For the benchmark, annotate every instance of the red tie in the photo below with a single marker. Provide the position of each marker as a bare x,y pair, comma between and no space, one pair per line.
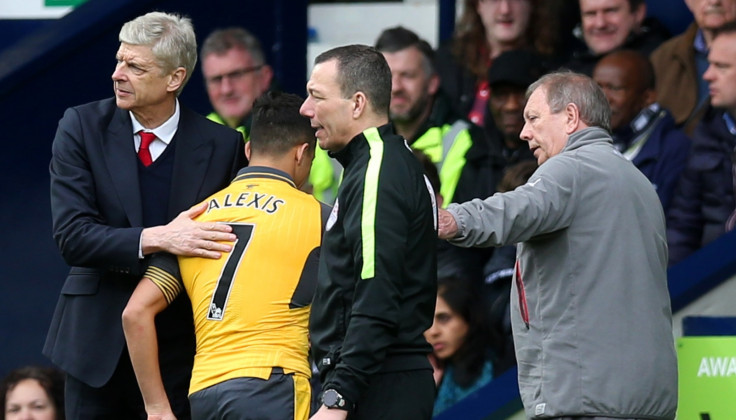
143,153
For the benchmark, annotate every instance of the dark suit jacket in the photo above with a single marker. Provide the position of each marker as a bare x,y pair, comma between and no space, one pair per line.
97,224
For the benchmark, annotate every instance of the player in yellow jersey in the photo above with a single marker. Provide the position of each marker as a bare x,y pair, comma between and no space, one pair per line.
251,306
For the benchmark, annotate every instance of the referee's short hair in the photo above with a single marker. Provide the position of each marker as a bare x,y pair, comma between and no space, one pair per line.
277,125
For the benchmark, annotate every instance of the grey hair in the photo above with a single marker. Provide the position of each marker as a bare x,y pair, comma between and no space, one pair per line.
222,40
171,38
566,87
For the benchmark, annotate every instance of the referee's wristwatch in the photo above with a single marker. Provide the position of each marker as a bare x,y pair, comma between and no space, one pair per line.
333,399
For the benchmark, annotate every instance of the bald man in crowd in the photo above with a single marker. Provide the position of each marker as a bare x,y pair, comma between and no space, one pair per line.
643,130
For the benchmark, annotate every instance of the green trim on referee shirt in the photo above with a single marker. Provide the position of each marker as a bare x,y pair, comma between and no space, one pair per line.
370,200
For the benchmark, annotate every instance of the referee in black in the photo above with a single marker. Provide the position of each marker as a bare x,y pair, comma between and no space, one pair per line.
376,288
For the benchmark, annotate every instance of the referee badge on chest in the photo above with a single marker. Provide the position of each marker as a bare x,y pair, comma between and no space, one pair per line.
333,216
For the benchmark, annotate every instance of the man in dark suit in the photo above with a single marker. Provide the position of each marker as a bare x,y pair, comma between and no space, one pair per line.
112,209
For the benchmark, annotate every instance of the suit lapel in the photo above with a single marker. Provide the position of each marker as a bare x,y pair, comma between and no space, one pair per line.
119,154
191,160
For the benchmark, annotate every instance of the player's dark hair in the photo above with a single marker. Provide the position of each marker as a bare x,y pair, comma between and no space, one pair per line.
278,126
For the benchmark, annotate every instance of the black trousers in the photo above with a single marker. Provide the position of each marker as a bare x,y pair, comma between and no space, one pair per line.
120,398
406,395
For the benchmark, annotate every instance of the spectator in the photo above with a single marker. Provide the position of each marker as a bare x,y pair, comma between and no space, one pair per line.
486,29
704,200
32,392
377,278
112,209
462,356
252,341
681,62
425,119
642,130
608,25
509,76
591,233
459,149
235,73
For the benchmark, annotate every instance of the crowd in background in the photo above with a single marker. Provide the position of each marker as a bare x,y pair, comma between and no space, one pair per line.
672,116
672,112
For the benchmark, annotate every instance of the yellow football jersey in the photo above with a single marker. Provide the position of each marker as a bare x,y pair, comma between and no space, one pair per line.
251,306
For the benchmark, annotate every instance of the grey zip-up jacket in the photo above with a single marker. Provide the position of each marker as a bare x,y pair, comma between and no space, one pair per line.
590,308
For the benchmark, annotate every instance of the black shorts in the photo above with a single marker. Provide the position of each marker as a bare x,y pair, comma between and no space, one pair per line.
282,396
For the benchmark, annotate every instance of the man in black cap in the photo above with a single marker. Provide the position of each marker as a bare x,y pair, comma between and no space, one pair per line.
509,76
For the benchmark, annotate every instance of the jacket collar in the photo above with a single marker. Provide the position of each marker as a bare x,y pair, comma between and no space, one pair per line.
359,144
587,136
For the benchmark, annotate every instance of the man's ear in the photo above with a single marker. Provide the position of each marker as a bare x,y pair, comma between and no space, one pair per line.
360,102
266,77
302,153
176,79
572,114
640,13
434,84
247,150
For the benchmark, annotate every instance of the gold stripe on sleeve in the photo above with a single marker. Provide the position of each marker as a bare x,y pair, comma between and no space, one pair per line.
169,285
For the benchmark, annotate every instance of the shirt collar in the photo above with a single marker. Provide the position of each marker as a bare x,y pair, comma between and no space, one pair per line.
250,172
164,132
699,43
641,121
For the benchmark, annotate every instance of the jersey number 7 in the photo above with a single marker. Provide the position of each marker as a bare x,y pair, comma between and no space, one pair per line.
244,232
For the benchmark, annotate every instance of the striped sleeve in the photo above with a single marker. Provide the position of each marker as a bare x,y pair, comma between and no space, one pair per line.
164,273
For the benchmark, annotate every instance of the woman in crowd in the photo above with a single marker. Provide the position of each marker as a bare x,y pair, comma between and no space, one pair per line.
461,343
32,393
485,29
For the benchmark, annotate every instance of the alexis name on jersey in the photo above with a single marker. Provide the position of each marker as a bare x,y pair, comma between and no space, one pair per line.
264,202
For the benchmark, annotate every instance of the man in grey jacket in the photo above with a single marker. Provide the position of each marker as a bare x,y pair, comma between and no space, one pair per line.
590,308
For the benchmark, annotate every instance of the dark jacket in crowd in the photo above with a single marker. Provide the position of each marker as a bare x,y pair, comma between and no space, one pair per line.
502,155
704,198
457,82
663,154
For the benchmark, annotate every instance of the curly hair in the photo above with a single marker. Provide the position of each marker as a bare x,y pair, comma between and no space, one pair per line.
50,379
